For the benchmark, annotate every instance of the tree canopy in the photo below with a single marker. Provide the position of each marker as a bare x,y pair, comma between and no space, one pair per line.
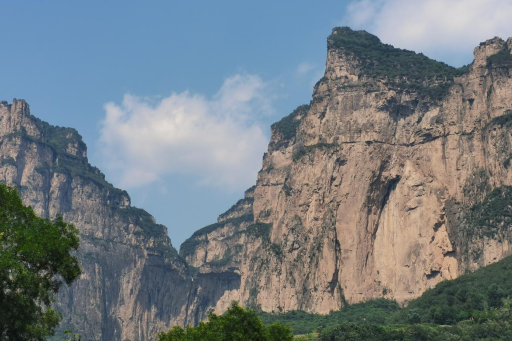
36,258
237,324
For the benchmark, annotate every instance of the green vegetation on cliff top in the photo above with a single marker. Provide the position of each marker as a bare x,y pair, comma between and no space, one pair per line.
59,139
286,128
504,57
189,246
400,68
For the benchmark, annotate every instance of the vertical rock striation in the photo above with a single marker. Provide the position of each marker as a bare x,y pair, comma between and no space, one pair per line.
395,177
214,254
133,282
382,186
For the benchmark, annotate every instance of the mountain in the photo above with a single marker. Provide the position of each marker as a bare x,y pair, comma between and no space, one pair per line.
133,284
394,178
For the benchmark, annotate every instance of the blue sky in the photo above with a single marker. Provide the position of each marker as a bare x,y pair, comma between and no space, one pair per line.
175,99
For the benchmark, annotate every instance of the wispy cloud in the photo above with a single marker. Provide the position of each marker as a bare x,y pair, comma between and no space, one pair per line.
309,72
219,140
305,68
443,29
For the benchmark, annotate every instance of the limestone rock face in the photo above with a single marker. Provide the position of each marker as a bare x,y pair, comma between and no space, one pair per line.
214,253
395,177
369,191
133,282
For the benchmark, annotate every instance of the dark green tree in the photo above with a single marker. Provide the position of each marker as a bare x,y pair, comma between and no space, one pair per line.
413,317
237,324
280,332
474,301
495,296
35,259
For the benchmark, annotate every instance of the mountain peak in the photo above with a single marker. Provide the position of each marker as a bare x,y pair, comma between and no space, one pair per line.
19,106
369,61
492,50
15,119
346,37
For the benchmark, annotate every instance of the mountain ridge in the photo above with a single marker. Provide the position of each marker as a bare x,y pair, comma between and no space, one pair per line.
375,189
391,127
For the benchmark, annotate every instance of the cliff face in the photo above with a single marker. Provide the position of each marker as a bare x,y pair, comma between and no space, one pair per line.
133,283
395,177
214,254
381,187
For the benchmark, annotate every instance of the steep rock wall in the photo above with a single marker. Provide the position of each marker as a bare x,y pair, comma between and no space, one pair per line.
214,254
133,282
391,180
370,191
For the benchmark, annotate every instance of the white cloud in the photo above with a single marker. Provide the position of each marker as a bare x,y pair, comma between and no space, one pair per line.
309,72
447,30
305,68
218,140
317,75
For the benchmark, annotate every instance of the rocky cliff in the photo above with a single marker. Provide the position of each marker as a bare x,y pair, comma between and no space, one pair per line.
133,282
214,254
393,179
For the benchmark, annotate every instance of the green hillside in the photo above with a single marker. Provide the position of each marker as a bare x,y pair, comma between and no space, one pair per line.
476,306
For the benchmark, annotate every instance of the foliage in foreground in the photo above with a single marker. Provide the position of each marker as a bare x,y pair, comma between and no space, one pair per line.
237,324
35,259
